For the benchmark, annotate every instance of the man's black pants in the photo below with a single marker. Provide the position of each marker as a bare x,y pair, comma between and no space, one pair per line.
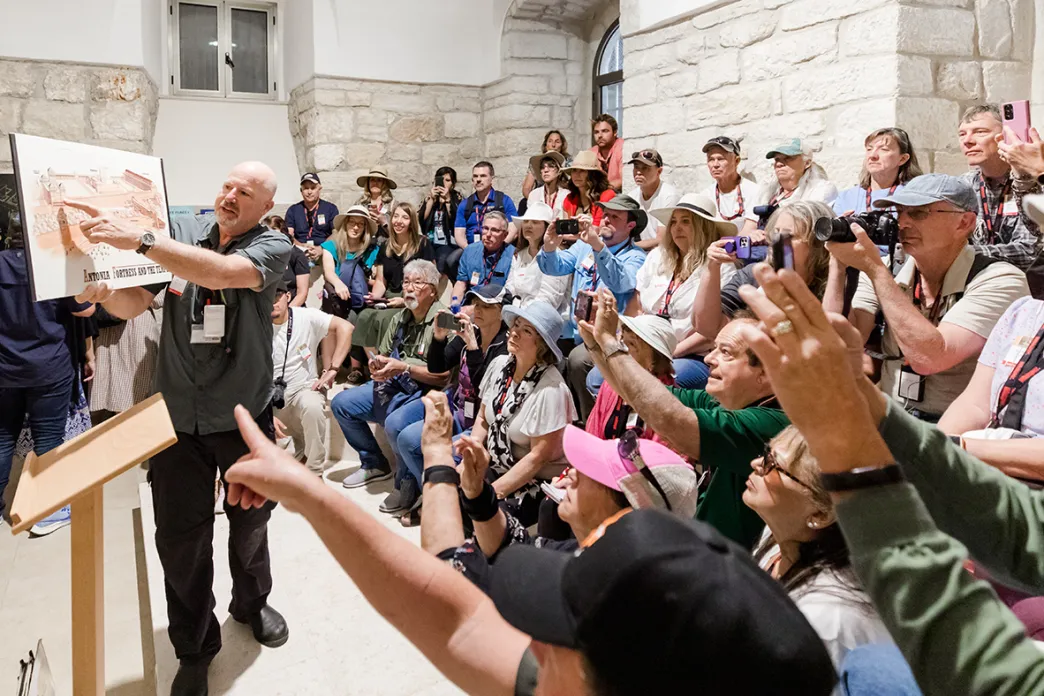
183,499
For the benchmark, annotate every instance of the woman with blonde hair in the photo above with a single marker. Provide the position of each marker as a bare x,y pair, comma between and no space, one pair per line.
404,244
803,547
377,197
716,302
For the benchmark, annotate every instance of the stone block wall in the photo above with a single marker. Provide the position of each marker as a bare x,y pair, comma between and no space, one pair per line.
343,127
830,71
108,106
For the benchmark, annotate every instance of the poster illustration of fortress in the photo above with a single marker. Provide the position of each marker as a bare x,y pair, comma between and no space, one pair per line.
125,186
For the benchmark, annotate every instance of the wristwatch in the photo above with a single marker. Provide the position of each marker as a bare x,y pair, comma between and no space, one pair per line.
617,346
148,240
864,477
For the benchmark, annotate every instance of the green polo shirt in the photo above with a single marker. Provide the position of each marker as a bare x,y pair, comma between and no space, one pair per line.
203,382
729,441
416,336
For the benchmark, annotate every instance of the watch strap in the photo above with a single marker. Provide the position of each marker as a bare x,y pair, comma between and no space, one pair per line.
617,346
866,477
441,474
148,240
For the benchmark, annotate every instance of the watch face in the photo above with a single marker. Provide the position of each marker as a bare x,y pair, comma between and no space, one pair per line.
148,238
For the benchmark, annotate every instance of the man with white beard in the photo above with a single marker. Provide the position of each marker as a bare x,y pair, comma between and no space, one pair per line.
399,378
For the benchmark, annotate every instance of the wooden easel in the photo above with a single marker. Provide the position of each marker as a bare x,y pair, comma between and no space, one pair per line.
73,474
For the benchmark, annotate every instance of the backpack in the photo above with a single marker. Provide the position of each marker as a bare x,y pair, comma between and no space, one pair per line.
469,205
353,274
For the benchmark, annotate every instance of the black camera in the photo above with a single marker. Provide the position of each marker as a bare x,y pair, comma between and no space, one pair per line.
279,393
764,212
880,225
568,226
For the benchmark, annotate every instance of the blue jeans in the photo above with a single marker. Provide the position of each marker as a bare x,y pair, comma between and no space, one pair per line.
873,669
47,408
409,444
353,409
689,373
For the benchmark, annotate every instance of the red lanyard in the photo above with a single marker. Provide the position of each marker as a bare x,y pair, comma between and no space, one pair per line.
890,192
933,313
777,198
665,310
993,221
594,272
503,394
493,266
1025,370
554,199
739,202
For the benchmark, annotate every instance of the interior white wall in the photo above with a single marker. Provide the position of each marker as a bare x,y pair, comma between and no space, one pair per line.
652,12
201,140
83,31
448,41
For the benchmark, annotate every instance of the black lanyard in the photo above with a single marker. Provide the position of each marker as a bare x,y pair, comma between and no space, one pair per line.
617,423
993,221
289,332
890,192
1013,394
739,202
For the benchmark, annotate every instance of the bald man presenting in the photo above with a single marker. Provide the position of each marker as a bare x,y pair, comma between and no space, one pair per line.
215,352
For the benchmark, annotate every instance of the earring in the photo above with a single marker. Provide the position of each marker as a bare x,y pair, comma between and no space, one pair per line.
812,524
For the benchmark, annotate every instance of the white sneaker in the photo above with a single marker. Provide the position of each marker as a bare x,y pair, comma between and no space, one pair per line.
52,523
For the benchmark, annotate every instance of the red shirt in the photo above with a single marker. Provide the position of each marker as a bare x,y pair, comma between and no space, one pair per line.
572,204
613,164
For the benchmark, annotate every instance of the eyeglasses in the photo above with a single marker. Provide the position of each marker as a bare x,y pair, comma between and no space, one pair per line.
415,283
627,448
487,228
768,463
919,214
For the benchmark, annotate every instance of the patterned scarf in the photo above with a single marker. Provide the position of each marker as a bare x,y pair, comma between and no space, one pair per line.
506,404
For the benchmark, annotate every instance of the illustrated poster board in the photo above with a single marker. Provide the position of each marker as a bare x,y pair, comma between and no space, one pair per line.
126,185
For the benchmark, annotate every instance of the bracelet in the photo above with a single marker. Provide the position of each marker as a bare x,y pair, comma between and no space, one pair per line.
484,507
440,474
864,477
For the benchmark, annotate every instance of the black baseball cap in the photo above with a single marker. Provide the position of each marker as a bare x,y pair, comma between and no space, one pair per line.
281,287
661,605
491,294
312,177
725,143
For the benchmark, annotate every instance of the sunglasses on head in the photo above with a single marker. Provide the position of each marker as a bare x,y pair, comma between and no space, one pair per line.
628,450
646,155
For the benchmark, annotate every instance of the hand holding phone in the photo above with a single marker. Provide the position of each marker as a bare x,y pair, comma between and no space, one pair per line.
1016,116
782,252
584,307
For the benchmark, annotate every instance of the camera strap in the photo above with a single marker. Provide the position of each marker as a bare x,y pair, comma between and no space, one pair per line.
1012,396
289,332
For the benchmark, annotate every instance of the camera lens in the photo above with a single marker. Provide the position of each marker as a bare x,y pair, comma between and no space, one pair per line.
1009,113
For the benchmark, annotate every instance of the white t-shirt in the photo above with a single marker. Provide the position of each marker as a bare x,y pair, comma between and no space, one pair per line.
728,203
529,284
811,190
652,283
547,409
537,196
665,197
310,327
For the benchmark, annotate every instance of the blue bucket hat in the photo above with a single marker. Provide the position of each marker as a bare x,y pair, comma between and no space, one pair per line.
932,188
544,318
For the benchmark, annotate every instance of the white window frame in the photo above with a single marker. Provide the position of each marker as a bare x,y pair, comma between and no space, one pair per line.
224,13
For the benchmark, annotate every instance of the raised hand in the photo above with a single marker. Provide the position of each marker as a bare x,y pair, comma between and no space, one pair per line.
474,462
437,435
552,240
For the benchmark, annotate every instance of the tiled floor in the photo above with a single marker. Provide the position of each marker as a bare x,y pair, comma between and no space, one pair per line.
338,644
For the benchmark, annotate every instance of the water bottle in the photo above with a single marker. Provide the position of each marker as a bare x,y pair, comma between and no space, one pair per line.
455,305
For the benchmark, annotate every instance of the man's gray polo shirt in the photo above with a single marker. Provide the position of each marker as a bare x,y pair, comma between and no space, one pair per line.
203,382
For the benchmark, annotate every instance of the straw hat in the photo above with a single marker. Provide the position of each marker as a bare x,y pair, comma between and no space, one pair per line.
356,211
376,174
586,160
701,206
536,160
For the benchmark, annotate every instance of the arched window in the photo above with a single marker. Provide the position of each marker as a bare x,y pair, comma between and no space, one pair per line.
608,76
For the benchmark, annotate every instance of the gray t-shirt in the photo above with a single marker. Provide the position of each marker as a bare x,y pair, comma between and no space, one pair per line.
203,382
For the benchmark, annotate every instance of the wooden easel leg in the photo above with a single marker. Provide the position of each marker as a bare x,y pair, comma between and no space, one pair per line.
88,594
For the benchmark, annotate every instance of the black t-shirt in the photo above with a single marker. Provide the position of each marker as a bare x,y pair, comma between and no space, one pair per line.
393,264
297,265
731,302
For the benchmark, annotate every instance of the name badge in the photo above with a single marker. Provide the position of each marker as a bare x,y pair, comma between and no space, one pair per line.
304,351
909,385
321,220
588,263
214,322
1015,353
177,285
632,420
1010,208
199,337
469,409
475,278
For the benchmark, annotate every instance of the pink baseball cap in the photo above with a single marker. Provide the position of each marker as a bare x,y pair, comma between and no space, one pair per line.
600,460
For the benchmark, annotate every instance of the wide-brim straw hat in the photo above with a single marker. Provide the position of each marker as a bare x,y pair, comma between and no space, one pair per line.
541,212
537,160
586,160
544,318
356,211
376,174
701,206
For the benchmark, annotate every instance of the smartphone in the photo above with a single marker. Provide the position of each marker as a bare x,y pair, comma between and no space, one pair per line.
782,252
584,307
738,245
568,226
1016,116
445,320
